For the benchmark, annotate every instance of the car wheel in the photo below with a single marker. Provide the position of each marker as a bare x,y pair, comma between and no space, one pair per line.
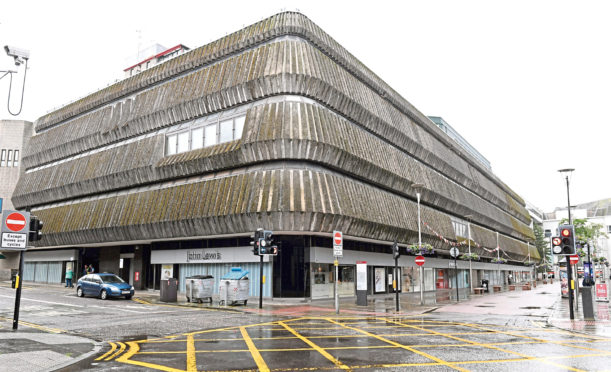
128,297
79,292
103,294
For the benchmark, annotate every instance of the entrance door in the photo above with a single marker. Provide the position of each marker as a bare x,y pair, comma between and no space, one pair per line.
125,269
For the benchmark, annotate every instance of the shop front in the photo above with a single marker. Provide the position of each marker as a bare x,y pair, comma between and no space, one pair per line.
48,266
183,263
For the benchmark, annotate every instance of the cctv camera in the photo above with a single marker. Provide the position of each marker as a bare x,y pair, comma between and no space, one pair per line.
18,54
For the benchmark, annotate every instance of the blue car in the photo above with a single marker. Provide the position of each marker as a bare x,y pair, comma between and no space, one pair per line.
103,285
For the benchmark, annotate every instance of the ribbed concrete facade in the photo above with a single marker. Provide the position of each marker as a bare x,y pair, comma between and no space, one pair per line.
326,145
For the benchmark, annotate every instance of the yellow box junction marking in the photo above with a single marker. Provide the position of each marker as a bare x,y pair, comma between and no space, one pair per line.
254,351
307,323
316,347
443,362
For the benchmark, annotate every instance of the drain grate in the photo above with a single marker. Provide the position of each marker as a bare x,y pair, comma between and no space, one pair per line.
530,307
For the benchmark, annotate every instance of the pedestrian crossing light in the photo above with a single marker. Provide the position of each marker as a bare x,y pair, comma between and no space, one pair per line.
395,250
255,241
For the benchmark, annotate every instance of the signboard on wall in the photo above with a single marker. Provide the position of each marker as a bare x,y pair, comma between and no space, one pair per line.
167,272
361,275
380,279
205,255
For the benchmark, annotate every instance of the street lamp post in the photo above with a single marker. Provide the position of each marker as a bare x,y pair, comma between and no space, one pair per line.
566,172
417,187
468,217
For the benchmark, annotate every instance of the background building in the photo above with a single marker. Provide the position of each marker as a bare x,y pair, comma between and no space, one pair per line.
275,126
154,55
14,137
598,212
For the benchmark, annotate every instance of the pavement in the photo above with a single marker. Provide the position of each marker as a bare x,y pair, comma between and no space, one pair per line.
37,348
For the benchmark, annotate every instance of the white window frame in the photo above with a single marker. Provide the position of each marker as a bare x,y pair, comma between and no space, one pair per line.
16,159
3,158
203,124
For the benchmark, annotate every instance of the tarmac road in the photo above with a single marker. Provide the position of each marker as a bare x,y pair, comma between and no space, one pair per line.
502,331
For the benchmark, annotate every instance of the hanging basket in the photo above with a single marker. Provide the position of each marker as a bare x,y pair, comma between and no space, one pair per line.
498,260
424,249
469,257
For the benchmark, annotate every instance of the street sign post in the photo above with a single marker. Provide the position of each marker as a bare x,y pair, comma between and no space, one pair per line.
454,252
338,243
574,259
15,230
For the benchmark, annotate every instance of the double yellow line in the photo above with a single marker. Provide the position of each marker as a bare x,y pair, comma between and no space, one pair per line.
111,354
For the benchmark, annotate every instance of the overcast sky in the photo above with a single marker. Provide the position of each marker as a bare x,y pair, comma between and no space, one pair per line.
527,83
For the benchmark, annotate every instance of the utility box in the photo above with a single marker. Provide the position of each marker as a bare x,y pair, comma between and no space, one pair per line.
199,288
168,290
587,300
234,287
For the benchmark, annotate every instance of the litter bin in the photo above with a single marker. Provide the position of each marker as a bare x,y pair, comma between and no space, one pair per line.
485,284
234,287
168,290
199,288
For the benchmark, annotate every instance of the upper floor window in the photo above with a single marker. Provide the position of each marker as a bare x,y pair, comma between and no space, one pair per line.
460,229
16,159
209,134
3,158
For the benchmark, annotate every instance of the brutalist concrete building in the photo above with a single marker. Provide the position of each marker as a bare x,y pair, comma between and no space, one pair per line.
276,126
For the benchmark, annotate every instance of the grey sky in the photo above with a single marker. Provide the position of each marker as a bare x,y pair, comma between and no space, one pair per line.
518,79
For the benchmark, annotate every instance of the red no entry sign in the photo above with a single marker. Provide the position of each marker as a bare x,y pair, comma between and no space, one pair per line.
574,259
15,222
337,238
419,260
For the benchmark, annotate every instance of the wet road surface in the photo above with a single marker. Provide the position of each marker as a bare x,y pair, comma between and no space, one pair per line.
365,343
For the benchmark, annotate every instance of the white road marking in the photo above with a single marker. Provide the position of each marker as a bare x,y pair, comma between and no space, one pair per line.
46,302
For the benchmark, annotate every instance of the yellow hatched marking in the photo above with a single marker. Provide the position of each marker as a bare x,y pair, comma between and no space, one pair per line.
316,347
399,345
113,347
121,349
254,351
191,359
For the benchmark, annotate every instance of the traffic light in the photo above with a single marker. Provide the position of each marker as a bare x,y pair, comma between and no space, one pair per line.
269,240
273,250
256,241
567,237
265,242
395,250
35,227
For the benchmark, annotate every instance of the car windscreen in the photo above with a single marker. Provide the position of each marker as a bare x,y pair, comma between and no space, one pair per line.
111,279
